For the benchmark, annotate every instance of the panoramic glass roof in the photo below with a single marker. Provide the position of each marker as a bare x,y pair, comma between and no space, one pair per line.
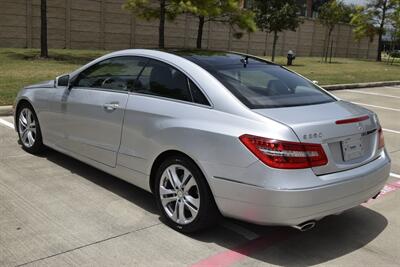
217,58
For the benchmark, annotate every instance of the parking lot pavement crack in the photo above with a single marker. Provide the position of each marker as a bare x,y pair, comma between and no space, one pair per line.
90,244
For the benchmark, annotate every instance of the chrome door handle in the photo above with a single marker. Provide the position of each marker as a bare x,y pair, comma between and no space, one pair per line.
111,106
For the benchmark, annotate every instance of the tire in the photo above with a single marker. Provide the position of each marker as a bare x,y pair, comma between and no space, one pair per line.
184,195
28,128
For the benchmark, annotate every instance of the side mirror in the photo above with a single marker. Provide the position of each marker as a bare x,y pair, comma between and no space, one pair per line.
315,82
62,81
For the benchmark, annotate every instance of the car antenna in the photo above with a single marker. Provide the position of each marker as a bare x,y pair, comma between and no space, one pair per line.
245,61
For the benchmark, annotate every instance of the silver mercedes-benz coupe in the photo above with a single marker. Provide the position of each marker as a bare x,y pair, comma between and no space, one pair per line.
211,133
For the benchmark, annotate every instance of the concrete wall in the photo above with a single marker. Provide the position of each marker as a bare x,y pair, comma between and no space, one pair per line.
103,24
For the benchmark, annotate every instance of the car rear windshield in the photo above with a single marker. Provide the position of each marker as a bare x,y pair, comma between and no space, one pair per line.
260,85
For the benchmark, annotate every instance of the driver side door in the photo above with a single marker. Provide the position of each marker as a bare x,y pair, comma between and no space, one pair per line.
94,108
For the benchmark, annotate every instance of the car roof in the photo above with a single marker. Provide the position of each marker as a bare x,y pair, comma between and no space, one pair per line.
215,58
207,59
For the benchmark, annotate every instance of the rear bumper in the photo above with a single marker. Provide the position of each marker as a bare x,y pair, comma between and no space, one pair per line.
340,191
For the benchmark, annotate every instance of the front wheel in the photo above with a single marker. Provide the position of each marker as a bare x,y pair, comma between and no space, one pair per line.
28,129
183,195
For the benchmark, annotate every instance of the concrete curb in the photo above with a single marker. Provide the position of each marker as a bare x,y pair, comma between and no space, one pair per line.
359,85
6,110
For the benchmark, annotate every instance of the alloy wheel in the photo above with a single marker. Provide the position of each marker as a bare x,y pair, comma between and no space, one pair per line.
179,194
27,127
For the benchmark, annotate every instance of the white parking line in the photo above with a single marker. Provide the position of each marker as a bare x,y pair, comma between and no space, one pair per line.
371,93
249,235
391,131
6,123
392,87
368,105
395,175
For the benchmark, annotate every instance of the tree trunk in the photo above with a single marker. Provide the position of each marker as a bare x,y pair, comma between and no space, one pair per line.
379,55
327,45
266,42
323,50
200,32
331,52
43,29
326,49
274,45
381,29
161,28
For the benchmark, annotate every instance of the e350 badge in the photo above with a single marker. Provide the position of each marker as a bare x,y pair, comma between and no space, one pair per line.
312,136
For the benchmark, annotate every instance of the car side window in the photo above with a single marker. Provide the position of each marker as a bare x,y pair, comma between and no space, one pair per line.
118,73
198,96
161,79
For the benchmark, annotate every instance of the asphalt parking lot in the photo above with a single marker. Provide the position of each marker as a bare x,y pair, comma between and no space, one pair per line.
56,211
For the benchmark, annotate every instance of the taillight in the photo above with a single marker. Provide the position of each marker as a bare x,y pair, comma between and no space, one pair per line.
285,154
381,139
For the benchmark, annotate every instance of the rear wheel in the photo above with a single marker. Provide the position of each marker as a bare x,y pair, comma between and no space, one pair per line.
183,196
28,128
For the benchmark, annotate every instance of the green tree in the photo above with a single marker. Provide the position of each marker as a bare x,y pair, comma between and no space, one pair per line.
275,16
364,24
330,14
365,29
226,11
374,17
348,11
395,23
151,10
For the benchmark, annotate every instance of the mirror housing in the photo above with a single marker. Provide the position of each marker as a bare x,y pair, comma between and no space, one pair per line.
63,81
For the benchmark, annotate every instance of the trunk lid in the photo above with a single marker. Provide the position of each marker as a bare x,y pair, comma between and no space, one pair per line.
347,145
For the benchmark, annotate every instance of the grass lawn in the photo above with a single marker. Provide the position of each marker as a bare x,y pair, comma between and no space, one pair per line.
20,67
344,70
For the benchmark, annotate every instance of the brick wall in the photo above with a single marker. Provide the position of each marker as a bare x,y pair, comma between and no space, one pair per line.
103,24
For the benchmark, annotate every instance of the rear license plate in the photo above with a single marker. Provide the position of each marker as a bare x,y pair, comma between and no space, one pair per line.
352,148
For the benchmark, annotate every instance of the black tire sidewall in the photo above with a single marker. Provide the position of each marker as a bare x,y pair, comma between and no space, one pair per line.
38,145
207,214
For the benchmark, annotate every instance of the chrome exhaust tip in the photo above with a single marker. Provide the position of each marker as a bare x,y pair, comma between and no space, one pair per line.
305,226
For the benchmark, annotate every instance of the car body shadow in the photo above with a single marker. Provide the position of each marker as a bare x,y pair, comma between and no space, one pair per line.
119,187
333,237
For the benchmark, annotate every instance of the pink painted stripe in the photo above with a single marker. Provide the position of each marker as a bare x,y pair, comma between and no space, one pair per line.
229,257
388,188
